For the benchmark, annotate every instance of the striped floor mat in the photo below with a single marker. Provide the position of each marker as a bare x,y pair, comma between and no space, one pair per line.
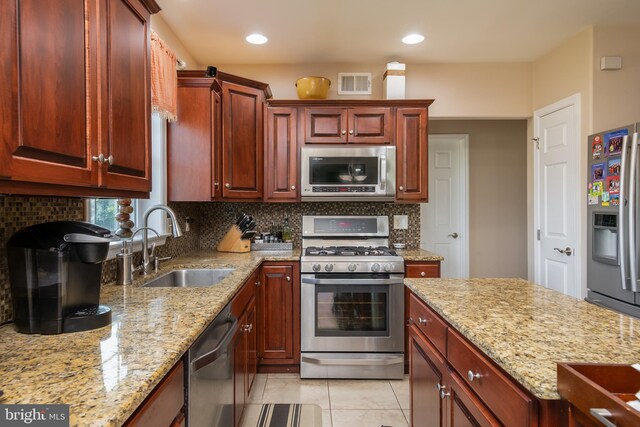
282,415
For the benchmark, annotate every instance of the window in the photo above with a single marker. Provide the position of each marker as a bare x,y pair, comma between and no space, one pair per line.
103,212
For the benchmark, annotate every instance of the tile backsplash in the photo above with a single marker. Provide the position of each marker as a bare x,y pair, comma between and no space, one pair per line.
217,218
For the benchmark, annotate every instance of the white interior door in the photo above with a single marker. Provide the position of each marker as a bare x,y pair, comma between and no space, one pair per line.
444,220
557,201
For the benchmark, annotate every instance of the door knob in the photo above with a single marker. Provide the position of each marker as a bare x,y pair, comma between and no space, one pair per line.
567,251
454,235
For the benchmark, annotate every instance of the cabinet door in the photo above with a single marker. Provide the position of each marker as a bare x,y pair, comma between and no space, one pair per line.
189,146
48,106
325,125
426,371
281,155
465,409
411,155
242,149
126,92
370,125
239,371
276,312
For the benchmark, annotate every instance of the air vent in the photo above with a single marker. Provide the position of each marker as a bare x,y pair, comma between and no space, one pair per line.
354,83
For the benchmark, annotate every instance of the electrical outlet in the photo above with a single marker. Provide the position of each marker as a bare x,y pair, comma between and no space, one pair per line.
400,222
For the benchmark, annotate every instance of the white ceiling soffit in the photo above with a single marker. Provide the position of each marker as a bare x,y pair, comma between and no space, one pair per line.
369,31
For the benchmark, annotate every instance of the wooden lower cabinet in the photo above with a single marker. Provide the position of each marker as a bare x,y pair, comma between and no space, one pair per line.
443,395
279,317
165,405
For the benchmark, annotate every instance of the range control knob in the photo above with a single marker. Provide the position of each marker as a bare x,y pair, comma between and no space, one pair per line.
316,267
328,267
375,267
352,267
388,267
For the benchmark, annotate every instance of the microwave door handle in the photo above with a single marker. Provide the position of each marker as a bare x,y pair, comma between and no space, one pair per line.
633,261
622,234
383,172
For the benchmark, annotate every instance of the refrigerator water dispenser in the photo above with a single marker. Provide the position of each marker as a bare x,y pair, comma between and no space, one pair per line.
605,238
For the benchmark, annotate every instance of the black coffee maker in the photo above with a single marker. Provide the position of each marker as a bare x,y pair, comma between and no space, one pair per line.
55,272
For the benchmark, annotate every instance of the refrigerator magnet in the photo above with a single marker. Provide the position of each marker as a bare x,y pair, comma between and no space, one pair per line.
593,199
597,147
615,200
613,141
597,188
605,196
598,172
614,167
613,184
605,204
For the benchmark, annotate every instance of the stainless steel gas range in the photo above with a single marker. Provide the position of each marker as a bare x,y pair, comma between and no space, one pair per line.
352,299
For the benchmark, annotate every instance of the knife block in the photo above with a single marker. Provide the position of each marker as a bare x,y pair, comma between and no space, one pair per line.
232,242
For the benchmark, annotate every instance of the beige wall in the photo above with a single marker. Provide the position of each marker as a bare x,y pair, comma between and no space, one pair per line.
497,194
565,71
616,94
168,36
474,90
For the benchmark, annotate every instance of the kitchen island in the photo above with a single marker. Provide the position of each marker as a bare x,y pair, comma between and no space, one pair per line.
524,330
106,373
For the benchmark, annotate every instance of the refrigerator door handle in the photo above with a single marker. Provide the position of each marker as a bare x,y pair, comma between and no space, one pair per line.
631,244
622,235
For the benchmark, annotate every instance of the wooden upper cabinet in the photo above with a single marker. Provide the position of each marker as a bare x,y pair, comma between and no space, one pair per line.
48,103
127,145
76,97
361,125
242,145
281,155
412,155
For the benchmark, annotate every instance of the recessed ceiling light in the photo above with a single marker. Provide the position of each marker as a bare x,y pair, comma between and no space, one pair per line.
413,39
257,38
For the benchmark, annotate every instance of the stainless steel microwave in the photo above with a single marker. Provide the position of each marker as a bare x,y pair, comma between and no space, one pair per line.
331,173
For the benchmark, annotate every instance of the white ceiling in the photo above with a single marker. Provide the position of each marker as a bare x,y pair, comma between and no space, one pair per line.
369,31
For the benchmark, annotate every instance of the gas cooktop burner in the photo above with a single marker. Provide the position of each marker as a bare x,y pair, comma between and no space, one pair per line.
349,251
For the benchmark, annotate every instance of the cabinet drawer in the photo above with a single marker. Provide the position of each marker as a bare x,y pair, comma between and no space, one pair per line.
465,405
422,270
165,402
428,322
510,404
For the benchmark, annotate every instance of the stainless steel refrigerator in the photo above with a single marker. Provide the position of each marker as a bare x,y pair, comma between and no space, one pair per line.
614,219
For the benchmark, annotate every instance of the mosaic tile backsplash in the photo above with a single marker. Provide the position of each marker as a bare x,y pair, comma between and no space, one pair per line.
20,212
217,218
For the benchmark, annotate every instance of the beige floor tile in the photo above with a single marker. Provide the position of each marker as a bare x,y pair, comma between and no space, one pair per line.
362,394
401,390
257,390
283,375
368,418
295,390
326,418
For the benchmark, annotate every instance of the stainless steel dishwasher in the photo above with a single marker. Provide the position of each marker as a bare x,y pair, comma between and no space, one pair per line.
210,374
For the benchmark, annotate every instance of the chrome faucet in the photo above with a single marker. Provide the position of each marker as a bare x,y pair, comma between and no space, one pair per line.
175,232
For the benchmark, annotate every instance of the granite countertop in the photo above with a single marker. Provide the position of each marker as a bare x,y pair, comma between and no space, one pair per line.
526,329
105,374
419,255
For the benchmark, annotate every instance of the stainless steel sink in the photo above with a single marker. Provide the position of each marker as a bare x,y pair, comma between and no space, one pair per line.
190,278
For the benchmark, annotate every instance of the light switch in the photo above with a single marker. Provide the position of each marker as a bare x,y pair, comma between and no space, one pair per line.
400,222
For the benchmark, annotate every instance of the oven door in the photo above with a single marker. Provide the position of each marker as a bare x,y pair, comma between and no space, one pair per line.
348,173
352,313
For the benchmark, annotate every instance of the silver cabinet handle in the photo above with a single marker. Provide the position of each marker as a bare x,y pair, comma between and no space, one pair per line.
567,251
423,274
288,278
454,235
109,160
293,187
472,376
99,158
422,321
622,235
440,387
401,188
444,394
216,184
601,415
227,185
351,132
344,132
258,283
247,328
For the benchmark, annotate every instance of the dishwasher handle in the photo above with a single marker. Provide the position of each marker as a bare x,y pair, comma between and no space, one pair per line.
213,355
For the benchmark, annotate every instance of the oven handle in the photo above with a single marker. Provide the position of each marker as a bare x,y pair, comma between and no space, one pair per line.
314,281
386,361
